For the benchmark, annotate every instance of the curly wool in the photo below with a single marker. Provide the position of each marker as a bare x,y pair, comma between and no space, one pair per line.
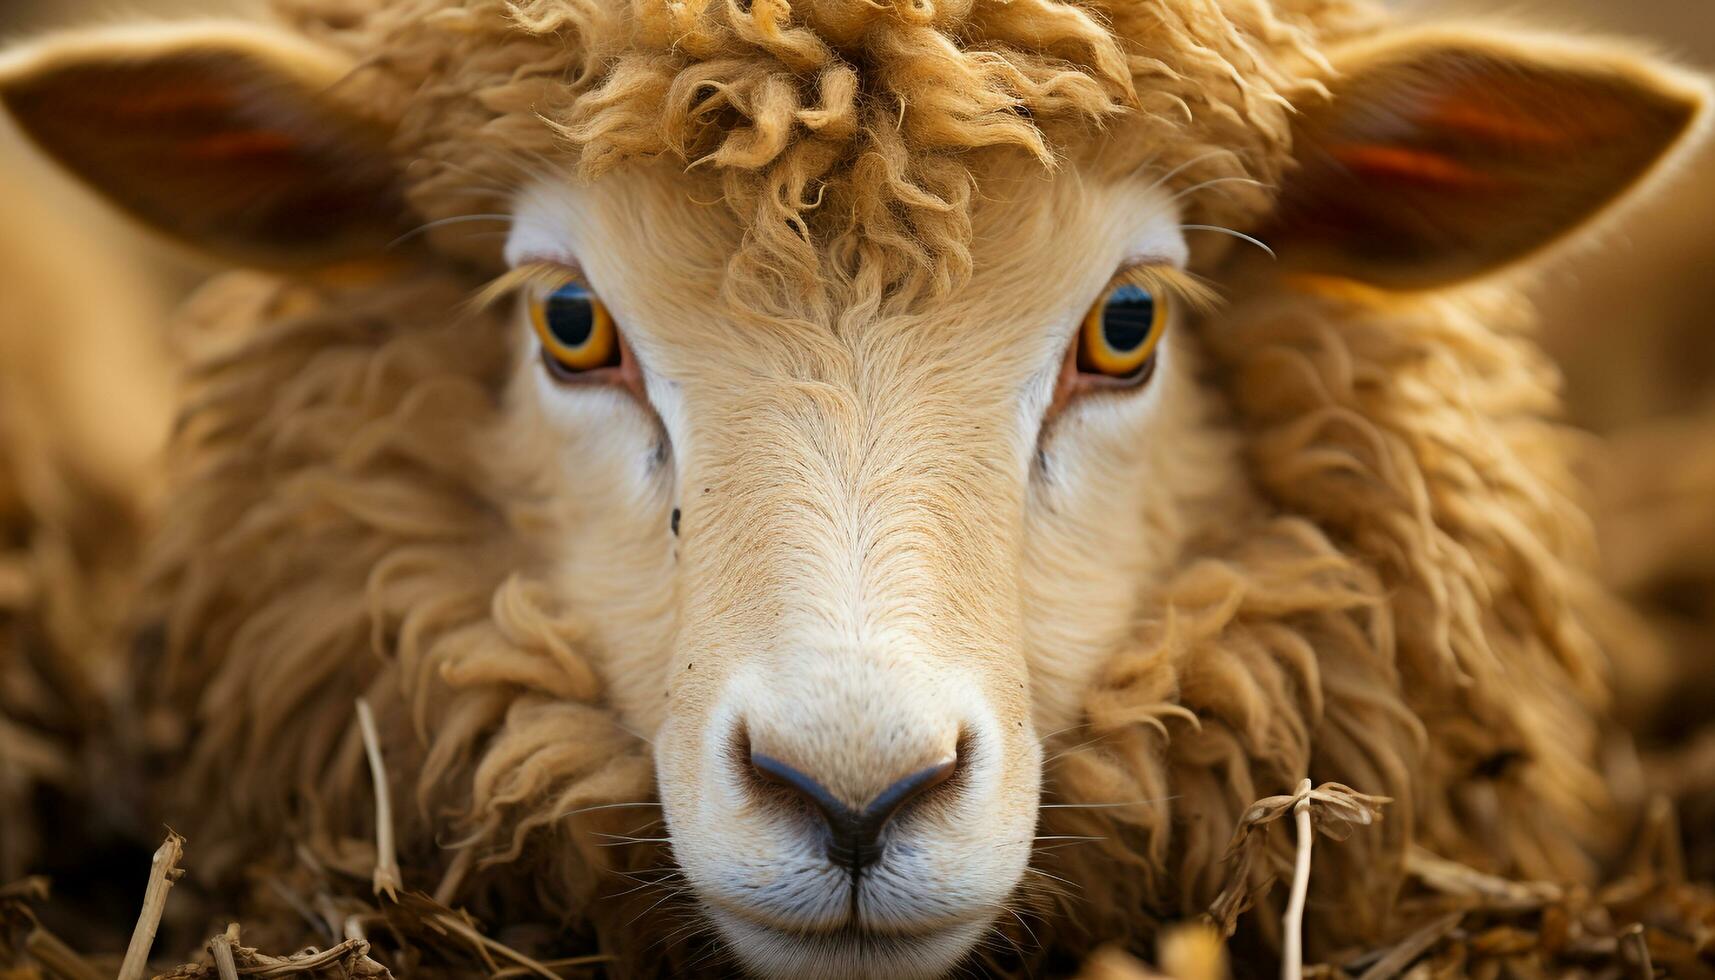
362,532
1418,623
841,133
1395,615
1400,612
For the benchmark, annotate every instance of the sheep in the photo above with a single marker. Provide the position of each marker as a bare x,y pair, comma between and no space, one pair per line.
859,441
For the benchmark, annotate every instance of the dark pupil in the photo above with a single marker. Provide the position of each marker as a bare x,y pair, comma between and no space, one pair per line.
570,316
1127,318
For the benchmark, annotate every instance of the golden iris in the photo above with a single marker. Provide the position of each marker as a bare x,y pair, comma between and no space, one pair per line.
575,328
1121,332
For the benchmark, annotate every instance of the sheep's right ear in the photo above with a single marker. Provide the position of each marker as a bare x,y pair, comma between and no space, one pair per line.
228,137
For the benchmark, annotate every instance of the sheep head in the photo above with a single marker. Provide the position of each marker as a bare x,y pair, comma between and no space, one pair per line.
864,439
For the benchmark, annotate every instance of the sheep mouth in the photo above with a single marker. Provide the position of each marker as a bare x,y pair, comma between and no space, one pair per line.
849,950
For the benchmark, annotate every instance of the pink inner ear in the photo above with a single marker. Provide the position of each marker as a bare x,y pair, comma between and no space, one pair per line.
219,147
1399,163
1480,123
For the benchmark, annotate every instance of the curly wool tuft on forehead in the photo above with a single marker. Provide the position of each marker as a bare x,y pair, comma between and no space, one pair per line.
847,136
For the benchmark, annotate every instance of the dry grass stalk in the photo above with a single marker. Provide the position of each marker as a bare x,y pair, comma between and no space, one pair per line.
1332,809
454,878
348,960
387,877
220,947
553,966
163,871
350,957
1485,890
1396,960
1639,957
1659,848
59,959
1486,925
39,945
31,889
1292,925
457,925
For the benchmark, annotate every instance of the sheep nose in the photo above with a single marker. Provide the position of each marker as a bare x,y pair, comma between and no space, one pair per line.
854,835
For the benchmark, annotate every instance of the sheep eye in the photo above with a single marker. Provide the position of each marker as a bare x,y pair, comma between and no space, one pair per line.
576,331
1120,333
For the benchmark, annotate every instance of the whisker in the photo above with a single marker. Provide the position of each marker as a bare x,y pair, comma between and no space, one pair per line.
1102,806
1072,837
1241,236
664,871
1062,731
1194,188
1050,849
1187,165
635,832
1025,925
645,886
666,882
1055,877
478,179
667,877
657,904
603,806
692,927
715,949
646,740
989,945
1063,753
443,222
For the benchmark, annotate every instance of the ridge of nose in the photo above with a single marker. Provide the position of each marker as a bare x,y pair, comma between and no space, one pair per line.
854,835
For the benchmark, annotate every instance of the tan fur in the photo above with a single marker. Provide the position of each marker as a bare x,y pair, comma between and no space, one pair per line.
768,105
1345,548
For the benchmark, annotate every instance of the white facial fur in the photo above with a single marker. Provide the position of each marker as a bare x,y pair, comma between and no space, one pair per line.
886,560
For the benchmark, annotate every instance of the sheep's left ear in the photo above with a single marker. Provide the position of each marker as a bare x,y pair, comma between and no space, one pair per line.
234,138
1440,156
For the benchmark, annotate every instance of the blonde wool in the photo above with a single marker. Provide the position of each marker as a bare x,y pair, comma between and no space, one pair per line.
1416,625
844,135
1386,618
1397,613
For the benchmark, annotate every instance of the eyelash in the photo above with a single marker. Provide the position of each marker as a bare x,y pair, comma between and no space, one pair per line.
518,282
1187,290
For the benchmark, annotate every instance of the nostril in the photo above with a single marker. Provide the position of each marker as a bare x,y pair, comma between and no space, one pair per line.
802,785
854,836
895,797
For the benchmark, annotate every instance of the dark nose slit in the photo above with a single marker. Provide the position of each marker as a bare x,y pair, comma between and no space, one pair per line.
854,836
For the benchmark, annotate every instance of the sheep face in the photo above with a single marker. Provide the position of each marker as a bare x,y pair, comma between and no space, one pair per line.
847,566
855,487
